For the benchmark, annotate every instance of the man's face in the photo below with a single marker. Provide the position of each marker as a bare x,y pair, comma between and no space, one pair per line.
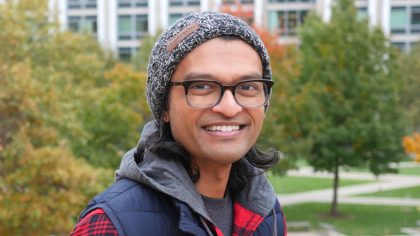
224,133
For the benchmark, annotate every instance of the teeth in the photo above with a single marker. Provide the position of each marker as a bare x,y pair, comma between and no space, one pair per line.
223,128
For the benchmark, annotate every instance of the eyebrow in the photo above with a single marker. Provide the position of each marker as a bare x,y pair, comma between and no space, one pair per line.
207,76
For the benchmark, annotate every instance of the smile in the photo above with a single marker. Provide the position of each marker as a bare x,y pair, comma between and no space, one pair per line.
223,128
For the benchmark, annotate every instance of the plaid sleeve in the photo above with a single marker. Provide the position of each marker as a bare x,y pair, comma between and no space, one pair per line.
96,223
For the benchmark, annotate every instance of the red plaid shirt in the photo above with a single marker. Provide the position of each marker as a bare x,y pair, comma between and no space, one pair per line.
96,223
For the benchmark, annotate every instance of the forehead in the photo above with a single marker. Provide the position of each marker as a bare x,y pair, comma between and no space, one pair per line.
222,58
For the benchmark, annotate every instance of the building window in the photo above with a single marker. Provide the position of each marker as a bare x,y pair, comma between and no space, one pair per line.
90,3
229,1
175,2
74,23
193,2
141,3
362,13
91,24
124,27
124,3
86,24
184,2
288,1
415,20
125,54
79,4
414,45
174,17
286,23
74,4
399,20
400,45
131,27
141,26
132,3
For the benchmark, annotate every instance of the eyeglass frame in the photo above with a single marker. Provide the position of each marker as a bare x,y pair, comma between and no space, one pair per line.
186,83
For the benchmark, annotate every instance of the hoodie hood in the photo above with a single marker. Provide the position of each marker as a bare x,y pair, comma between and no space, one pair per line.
168,175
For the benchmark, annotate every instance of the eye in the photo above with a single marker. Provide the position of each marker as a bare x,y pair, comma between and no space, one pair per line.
247,87
250,89
250,86
202,88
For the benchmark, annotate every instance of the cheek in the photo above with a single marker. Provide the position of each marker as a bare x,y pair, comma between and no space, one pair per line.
258,117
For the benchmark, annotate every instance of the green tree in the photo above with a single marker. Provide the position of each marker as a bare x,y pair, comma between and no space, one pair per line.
410,71
114,118
343,109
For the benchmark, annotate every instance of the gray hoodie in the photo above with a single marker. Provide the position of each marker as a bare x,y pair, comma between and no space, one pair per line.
168,175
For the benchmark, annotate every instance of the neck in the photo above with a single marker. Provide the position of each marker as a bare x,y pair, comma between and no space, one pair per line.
213,179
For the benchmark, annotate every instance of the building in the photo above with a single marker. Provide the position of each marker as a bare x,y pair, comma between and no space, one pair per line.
120,25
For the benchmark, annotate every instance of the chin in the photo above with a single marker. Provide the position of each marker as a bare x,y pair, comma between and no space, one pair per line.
227,158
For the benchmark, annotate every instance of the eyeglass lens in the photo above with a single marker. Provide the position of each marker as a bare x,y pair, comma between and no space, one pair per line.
204,94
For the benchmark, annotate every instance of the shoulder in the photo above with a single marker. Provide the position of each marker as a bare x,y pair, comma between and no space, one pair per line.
128,195
132,207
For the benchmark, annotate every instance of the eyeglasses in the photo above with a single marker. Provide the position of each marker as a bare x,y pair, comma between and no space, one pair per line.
208,93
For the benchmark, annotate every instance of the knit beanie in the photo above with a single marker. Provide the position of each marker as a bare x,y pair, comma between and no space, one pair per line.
185,35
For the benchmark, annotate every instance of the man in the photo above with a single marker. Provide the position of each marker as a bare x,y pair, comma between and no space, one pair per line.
196,170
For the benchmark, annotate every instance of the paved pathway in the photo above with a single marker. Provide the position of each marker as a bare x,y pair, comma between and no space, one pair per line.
347,194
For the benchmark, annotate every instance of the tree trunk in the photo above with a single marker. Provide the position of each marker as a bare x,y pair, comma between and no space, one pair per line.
334,207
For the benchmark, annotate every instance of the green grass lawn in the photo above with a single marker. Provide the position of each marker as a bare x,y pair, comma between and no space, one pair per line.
410,171
292,184
357,219
413,192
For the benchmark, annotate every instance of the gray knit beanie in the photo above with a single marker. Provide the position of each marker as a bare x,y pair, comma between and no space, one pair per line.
185,35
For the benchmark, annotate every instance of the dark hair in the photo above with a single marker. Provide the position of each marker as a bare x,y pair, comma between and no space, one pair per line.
162,143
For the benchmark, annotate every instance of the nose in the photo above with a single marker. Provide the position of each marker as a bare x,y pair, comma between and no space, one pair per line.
227,105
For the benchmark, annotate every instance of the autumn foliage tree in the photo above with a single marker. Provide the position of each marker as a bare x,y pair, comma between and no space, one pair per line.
64,105
412,146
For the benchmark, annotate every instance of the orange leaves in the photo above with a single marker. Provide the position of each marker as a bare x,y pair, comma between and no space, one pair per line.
270,40
412,145
43,189
245,13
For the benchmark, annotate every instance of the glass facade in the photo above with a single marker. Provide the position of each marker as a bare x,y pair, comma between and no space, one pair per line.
85,24
132,3
126,53
399,19
283,17
184,2
415,20
124,27
228,1
362,13
141,26
286,23
290,1
132,27
405,20
81,4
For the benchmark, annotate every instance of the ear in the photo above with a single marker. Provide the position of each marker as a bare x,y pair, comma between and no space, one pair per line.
165,116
